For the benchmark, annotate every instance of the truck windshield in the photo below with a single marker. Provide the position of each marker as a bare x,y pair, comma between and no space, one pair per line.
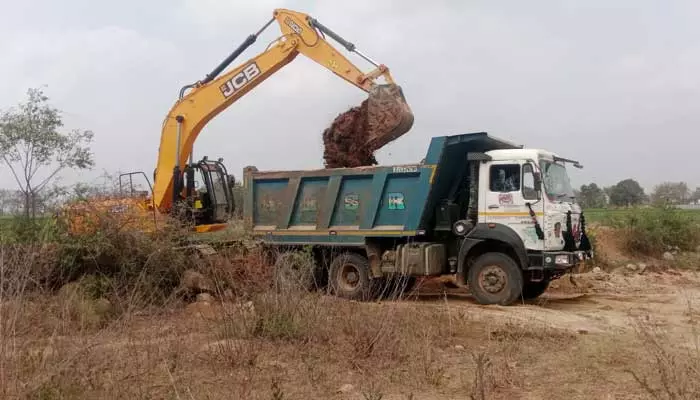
556,180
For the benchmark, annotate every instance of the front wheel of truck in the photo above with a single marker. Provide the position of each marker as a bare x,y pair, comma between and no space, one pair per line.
349,277
495,278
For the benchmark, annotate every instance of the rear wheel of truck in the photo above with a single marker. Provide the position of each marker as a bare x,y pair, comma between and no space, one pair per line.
295,270
532,290
495,278
349,277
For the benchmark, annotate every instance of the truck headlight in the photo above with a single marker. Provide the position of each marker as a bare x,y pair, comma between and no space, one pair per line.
561,259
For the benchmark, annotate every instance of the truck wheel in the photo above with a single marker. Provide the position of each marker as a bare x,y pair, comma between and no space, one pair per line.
349,277
532,290
294,270
495,278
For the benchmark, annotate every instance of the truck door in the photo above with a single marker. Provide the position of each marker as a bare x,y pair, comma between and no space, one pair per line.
511,187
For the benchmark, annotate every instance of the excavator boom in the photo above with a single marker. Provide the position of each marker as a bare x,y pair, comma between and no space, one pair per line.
389,115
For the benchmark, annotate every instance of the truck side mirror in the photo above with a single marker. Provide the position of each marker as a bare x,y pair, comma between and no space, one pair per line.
538,184
538,181
231,181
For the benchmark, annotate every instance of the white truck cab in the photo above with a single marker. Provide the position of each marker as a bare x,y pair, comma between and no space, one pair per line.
522,214
521,186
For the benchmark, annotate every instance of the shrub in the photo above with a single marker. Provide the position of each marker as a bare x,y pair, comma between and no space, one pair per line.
131,269
652,231
24,230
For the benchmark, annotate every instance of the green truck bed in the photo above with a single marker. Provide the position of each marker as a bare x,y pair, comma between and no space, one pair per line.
347,205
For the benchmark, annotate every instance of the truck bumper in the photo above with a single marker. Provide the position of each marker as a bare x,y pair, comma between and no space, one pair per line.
557,260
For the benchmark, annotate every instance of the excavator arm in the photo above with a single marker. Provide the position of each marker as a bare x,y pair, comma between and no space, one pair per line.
208,97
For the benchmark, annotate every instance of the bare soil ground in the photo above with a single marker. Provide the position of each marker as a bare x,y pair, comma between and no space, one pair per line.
598,336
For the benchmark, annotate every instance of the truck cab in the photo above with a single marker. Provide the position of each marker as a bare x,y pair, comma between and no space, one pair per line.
529,192
525,201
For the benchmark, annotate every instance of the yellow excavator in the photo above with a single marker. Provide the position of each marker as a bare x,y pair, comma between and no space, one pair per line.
201,192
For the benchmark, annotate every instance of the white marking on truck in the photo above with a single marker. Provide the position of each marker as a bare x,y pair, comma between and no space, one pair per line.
405,170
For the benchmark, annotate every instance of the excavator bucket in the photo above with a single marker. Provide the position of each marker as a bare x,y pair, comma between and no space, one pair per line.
388,115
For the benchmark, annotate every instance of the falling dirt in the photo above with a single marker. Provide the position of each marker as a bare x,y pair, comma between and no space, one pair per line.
345,140
356,134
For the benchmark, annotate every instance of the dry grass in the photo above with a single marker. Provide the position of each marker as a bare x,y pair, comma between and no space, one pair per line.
268,344
292,345
121,331
672,370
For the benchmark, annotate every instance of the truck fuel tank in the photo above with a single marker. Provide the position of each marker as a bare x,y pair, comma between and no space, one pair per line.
415,259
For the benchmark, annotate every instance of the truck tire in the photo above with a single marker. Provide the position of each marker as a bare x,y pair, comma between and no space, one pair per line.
294,270
495,278
349,277
532,290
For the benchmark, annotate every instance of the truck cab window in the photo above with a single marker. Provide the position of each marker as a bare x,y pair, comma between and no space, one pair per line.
505,178
529,190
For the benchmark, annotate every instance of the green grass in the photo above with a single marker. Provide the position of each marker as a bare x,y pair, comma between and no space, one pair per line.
607,216
652,230
16,228
5,224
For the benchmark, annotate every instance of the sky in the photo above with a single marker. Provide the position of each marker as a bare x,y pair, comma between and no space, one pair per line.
614,85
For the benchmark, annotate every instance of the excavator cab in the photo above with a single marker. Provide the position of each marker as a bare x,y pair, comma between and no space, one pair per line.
206,193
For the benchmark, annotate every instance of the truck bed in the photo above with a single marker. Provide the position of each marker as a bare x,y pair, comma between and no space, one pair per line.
348,205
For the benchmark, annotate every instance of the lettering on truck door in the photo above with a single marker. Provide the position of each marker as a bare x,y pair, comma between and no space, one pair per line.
511,185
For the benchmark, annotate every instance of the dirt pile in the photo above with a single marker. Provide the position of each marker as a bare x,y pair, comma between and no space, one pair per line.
345,140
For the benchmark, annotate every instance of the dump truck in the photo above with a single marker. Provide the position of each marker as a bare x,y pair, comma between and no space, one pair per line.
498,218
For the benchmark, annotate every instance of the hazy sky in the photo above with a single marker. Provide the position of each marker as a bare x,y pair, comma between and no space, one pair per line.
615,84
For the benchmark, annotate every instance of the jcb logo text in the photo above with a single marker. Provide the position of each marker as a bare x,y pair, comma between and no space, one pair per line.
295,27
240,79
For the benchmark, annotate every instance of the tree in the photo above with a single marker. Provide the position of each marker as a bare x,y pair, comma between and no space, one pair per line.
695,196
10,202
592,196
671,193
35,151
627,193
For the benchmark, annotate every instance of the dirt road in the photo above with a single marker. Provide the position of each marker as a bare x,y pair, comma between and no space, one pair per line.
603,303
586,338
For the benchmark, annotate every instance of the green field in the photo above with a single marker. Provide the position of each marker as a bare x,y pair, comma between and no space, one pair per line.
606,215
13,228
5,222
